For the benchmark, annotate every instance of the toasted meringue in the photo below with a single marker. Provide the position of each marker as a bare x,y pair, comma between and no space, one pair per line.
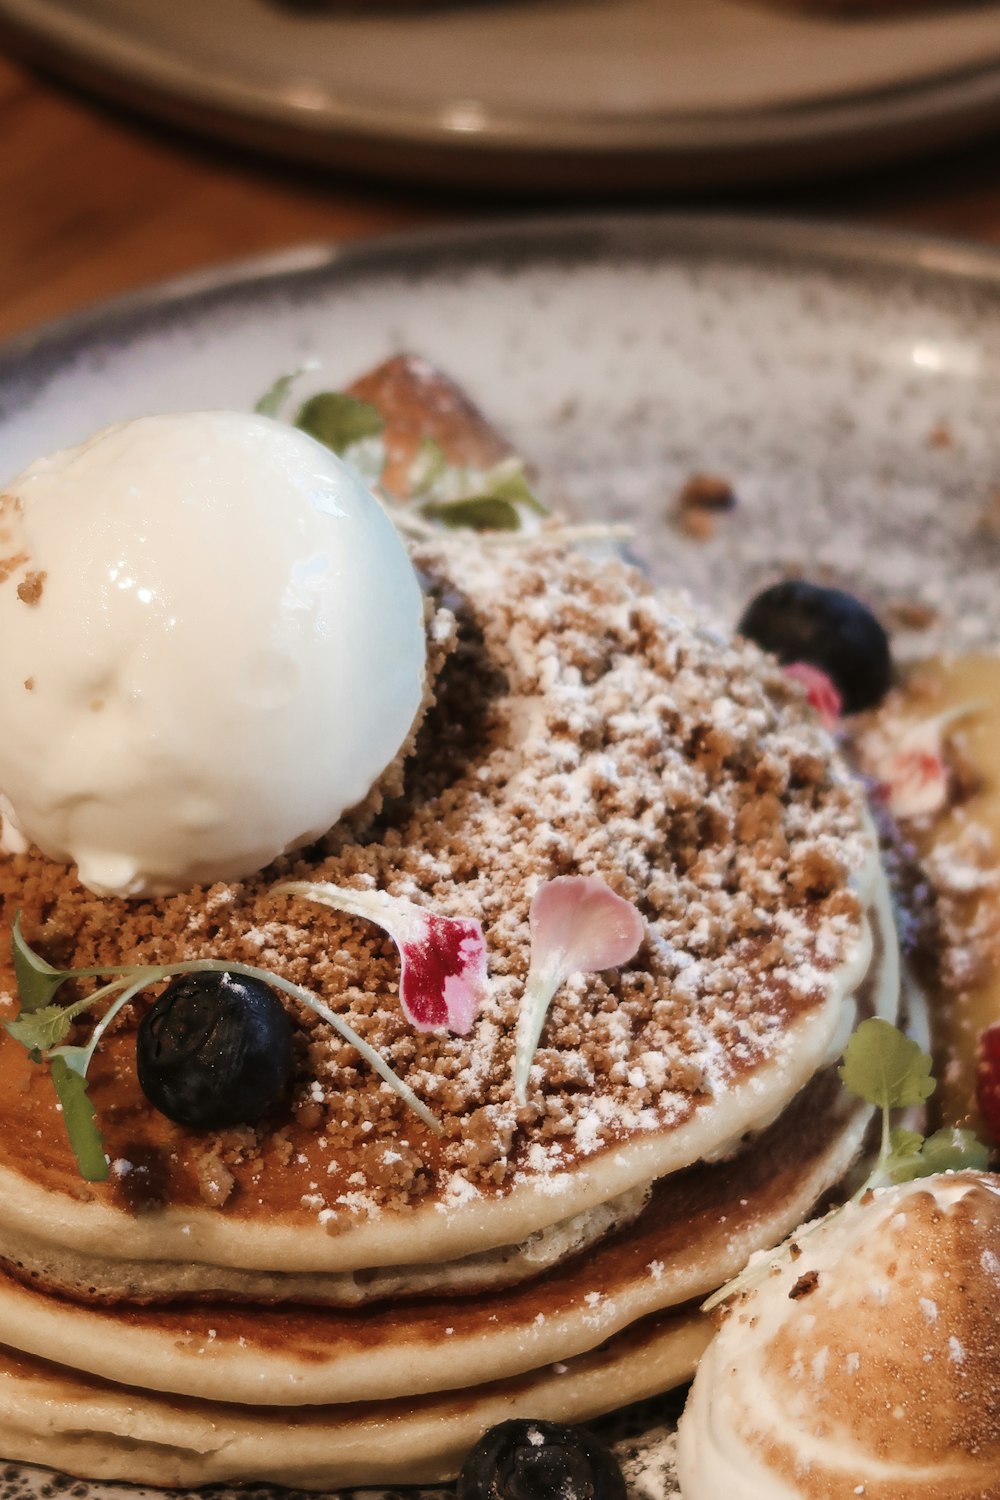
867,1363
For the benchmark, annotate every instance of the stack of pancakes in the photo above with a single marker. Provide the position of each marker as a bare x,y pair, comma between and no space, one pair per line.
339,1296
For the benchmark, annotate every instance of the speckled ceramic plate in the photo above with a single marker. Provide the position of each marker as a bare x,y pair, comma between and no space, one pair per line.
844,382
560,95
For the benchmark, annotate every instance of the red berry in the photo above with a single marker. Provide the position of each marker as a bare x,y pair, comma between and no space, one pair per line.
988,1081
820,690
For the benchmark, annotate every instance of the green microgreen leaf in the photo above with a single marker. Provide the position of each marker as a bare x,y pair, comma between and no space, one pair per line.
39,1030
509,481
339,421
43,1027
479,499
474,513
886,1068
273,399
77,1059
78,1117
37,981
953,1150
902,1162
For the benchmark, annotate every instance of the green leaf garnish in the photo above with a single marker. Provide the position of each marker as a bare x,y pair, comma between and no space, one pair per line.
350,428
493,499
476,513
902,1163
886,1068
339,421
950,1150
39,1030
509,481
81,1125
37,981
480,499
42,1028
274,398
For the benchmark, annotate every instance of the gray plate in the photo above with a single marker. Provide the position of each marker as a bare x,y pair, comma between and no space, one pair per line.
845,382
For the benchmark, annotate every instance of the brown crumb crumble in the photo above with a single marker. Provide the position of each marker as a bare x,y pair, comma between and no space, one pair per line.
702,500
806,1283
707,492
580,724
29,590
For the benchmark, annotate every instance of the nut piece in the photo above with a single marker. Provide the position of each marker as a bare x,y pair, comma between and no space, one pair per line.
702,499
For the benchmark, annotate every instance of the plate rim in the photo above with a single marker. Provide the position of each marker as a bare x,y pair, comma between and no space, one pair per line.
90,40
699,149
812,241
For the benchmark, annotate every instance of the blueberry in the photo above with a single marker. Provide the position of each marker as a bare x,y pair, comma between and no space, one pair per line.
522,1460
215,1050
829,629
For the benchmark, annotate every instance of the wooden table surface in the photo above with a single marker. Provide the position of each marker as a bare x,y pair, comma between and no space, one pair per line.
95,201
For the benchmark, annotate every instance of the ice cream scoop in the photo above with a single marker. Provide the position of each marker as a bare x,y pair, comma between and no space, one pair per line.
212,646
867,1364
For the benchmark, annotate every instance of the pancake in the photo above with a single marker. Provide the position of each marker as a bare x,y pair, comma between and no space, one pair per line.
698,1230
83,1426
817,1136
64,1270
582,724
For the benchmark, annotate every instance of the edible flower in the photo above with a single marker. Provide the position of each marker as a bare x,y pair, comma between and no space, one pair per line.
578,926
819,689
442,978
912,772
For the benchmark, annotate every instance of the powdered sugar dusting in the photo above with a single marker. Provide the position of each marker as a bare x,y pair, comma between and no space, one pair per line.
583,725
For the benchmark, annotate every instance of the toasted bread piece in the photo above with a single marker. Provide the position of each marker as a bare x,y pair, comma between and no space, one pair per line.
418,401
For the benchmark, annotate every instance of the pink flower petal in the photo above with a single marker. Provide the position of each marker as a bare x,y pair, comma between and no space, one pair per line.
911,764
578,926
916,783
442,978
581,918
820,690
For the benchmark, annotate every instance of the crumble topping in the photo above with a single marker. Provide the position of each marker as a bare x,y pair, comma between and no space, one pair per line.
580,724
29,590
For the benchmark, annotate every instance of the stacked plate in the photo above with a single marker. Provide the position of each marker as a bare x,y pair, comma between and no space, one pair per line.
553,95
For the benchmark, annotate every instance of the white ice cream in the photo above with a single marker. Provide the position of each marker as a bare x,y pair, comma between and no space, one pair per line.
212,645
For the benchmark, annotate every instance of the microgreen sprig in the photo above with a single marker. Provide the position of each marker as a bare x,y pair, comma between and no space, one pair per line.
491,499
42,1026
889,1070
452,495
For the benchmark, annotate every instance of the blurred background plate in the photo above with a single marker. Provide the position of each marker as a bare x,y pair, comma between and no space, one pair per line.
569,95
